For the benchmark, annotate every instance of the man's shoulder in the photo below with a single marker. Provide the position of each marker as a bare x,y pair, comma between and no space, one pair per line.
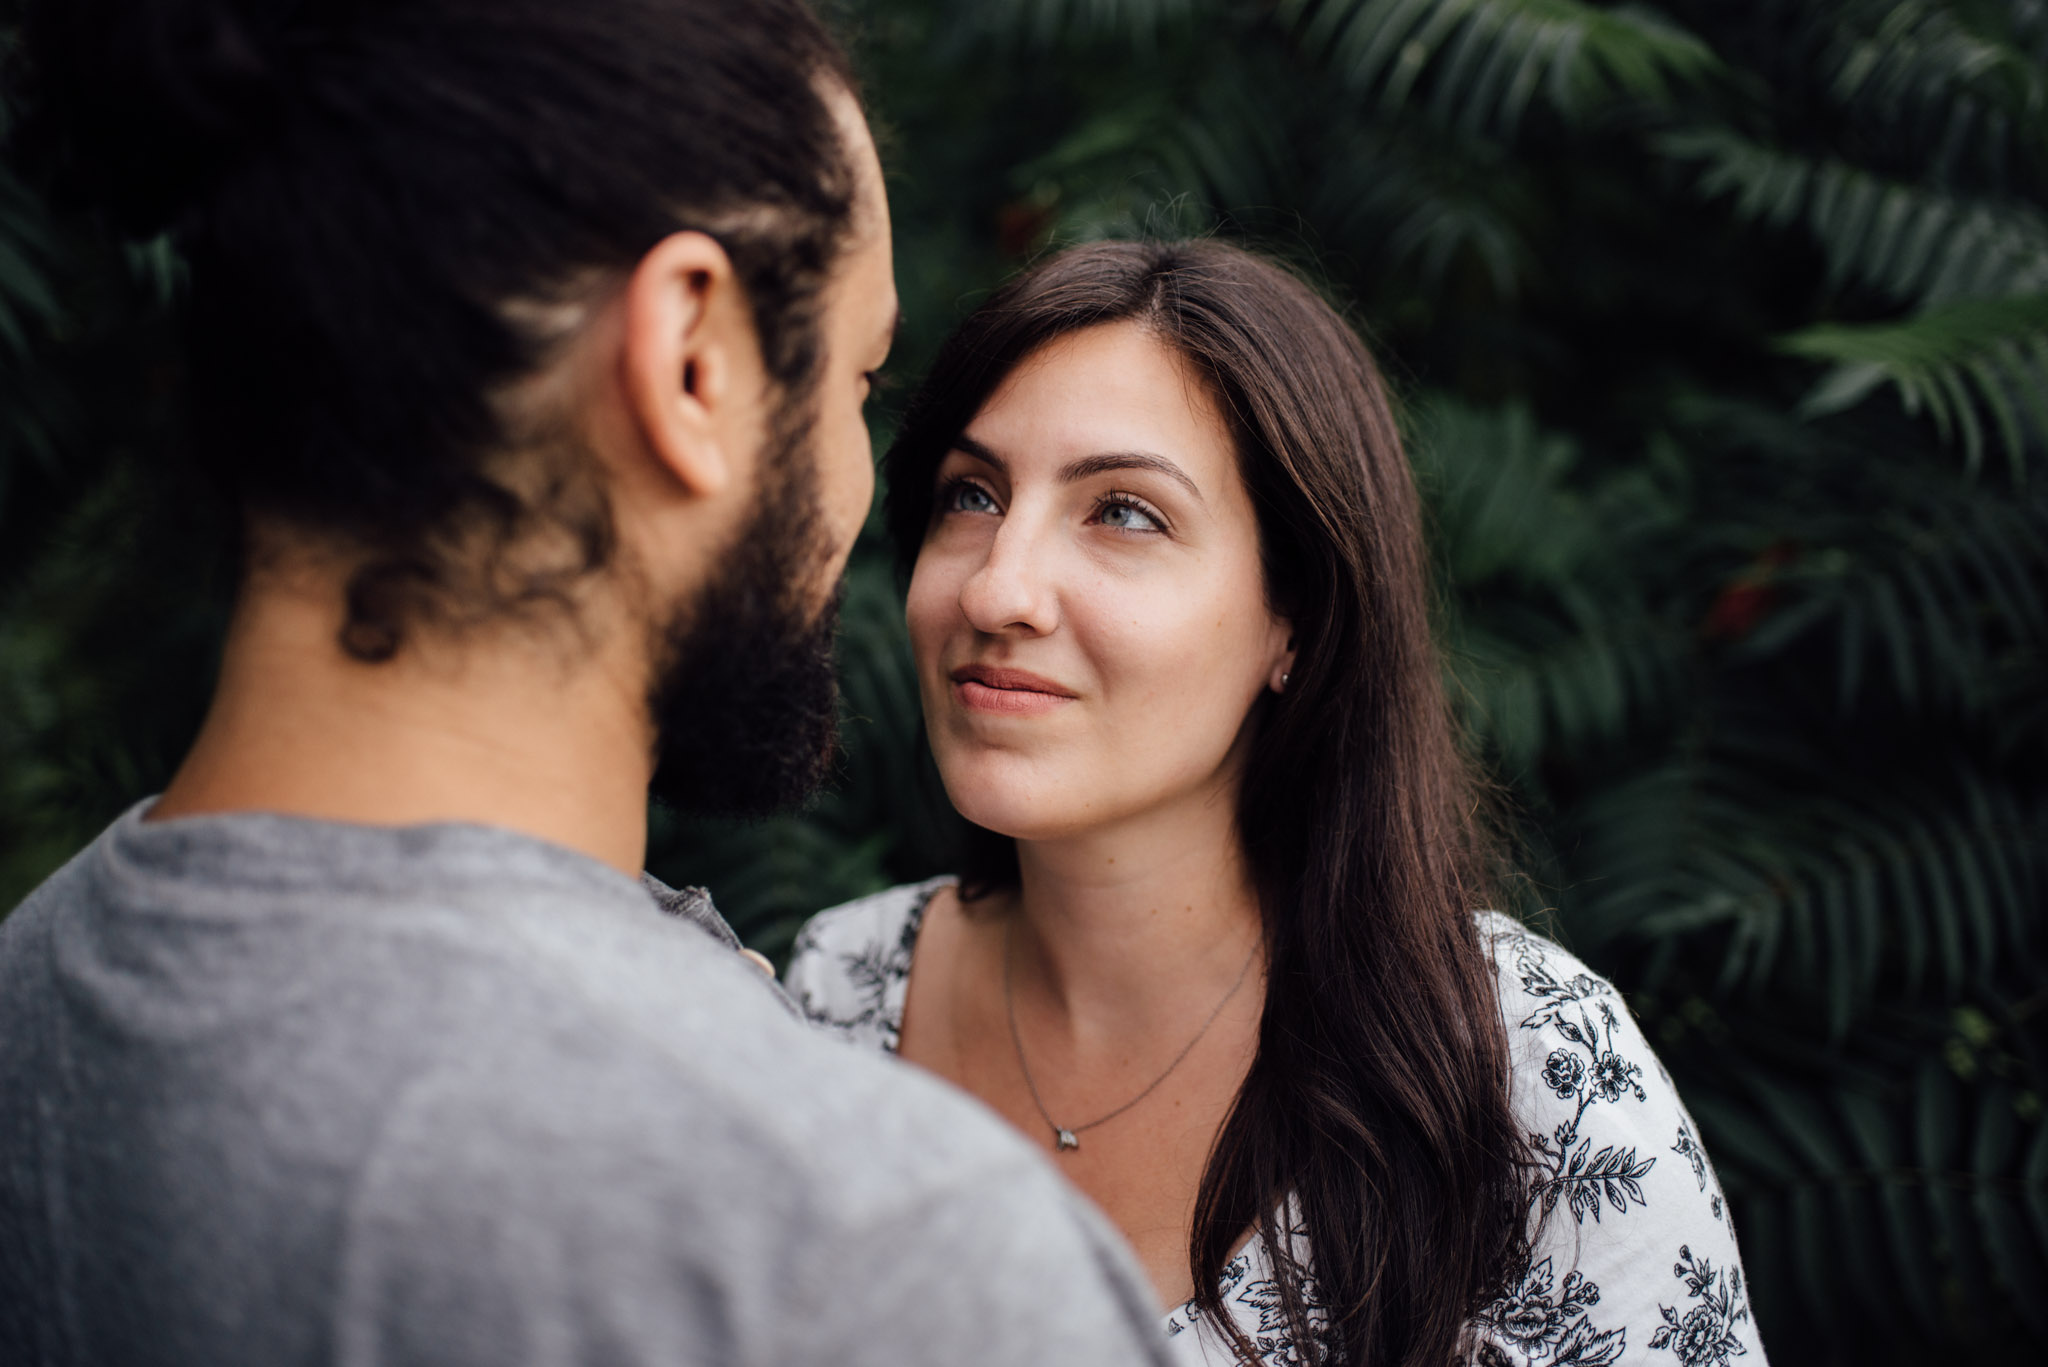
828,1204
664,1047
730,1095
524,993
861,1217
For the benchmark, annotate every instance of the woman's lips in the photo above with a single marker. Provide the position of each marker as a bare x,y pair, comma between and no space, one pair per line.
1009,692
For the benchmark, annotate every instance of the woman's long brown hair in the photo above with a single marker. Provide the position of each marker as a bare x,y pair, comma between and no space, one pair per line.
1378,1099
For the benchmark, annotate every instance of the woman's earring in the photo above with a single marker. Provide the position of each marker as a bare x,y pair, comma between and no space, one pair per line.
1284,677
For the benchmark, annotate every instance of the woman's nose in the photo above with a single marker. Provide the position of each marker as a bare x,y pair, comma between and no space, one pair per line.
1011,591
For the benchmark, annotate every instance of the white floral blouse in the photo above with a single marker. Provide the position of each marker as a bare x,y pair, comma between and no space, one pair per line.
1637,1262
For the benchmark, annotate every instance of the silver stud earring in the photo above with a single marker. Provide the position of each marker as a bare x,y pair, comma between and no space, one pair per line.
1284,677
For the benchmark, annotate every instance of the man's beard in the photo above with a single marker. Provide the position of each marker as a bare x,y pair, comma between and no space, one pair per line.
745,698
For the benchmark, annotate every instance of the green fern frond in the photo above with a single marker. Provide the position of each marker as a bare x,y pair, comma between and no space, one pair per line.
1162,159
29,411
1437,208
1559,683
27,295
1832,891
1937,597
1551,643
1957,361
1485,61
1967,72
1500,496
1900,1195
1916,242
157,269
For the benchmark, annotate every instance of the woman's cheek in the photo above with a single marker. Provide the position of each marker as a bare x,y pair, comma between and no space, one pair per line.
1182,667
925,610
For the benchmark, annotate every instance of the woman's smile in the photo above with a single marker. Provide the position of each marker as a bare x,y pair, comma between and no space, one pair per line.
1007,692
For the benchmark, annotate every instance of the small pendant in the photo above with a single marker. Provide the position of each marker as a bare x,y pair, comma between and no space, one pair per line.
1065,1140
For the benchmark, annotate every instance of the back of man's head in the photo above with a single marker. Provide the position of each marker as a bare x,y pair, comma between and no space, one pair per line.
391,209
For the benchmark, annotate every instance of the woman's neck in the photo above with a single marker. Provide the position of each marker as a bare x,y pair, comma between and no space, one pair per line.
1126,929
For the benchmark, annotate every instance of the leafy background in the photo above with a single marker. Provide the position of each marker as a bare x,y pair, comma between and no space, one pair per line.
1721,328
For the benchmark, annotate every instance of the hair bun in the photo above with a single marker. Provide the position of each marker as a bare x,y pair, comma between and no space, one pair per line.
137,108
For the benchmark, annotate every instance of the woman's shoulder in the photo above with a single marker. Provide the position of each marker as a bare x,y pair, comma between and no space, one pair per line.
864,920
1535,972
1573,1044
851,963
1633,1248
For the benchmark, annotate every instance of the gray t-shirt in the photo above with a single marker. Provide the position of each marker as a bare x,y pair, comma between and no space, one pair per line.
277,1091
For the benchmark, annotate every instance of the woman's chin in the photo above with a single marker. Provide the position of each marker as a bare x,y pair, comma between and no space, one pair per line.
1018,820
1014,805
1031,798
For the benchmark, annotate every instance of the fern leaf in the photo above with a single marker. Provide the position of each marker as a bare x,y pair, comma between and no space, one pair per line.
1163,160
1955,68
1935,598
1859,888
1916,242
1485,61
1566,653
1938,1186
1432,204
1947,359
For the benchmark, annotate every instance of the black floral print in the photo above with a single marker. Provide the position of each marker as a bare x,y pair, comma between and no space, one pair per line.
1234,1273
1563,1072
1276,1345
1600,1111
1554,1329
857,990
1587,1069
1251,1293
1705,1336
1689,1149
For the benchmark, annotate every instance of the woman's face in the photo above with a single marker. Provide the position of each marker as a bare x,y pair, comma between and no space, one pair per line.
1088,610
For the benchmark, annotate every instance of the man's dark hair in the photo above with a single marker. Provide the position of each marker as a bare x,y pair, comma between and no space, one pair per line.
386,204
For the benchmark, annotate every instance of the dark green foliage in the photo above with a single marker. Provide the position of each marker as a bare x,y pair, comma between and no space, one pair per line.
112,570
1722,334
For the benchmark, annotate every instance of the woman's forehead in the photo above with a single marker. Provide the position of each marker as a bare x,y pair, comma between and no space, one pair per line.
1112,388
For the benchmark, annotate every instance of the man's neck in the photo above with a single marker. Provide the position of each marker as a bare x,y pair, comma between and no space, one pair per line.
511,727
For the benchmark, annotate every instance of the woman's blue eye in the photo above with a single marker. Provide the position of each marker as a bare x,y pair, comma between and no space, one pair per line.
1127,517
966,497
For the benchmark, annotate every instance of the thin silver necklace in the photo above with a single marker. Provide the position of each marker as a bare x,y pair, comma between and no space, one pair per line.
1066,1137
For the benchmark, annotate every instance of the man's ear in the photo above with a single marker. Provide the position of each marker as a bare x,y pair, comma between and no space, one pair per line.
691,360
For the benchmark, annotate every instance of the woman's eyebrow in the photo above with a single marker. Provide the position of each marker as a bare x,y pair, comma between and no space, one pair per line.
968,446
1089,466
